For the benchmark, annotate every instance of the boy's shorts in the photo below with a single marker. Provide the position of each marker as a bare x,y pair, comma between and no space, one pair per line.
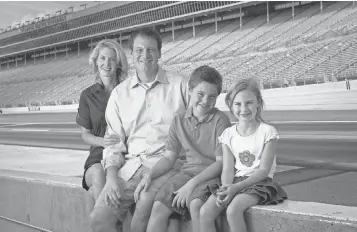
166,193
127,198
203,191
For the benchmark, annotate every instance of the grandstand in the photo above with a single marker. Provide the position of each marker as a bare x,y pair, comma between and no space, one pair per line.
281,43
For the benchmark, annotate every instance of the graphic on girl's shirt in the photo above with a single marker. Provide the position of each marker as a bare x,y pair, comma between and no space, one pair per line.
246,158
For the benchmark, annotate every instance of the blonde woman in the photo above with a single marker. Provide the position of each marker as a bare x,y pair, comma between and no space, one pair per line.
110,66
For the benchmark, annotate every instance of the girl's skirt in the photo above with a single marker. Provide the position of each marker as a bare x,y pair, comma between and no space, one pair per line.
268,190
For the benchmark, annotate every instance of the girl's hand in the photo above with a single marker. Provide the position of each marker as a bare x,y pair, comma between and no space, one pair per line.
225,194
219,201
182,195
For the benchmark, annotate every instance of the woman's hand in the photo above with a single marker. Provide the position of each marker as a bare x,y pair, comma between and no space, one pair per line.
110,140
143,185
182,195
226,193
112,193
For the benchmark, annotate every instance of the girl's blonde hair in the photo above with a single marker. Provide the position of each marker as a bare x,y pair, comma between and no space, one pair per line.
122,63
246,84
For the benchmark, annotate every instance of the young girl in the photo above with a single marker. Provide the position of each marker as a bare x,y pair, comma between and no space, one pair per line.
249,161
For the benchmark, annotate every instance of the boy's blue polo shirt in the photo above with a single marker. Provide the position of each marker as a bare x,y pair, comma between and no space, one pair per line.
198,139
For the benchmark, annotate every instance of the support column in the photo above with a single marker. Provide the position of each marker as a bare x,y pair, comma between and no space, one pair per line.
193,27
8,64
78,48
215,21
34,58
120,38
321,7
293,10
55,53
44,54
267,12
16,61
173,31
25,59
91,45
66,51
240,17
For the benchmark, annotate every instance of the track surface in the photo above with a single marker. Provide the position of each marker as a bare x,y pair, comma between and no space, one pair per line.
322,143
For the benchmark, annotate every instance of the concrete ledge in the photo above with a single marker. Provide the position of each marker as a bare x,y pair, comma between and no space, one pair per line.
54,203
302,216
41,202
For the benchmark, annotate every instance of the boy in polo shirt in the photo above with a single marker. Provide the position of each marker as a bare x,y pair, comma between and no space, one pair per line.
195,131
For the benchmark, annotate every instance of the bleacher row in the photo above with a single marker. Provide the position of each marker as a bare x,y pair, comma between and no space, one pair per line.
128,9
87,28
312,48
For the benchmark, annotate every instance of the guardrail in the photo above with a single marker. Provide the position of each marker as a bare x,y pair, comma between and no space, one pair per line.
320,96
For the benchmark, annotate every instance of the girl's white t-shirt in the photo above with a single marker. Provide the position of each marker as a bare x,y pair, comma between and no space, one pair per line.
248,150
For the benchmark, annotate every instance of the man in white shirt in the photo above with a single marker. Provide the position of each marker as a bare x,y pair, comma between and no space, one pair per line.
138,114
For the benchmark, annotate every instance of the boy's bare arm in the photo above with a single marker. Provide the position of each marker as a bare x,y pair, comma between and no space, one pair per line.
164,165
183,194
209,173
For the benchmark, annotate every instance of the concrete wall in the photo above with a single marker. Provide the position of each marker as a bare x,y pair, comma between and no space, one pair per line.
310,89
53,203
15,110
328,96
37,109
39,202
339,100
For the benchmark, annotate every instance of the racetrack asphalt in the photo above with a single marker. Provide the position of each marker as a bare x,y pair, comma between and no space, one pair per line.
316,152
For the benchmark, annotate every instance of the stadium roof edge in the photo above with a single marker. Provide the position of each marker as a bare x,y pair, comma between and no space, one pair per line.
242,3
96,9
73,15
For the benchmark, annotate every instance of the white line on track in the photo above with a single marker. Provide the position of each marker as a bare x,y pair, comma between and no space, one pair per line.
30,130
42,130
9,125
305,122
4,125
312,122
74,123
36,123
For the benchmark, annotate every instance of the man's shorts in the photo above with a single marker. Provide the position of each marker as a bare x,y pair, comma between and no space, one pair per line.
127,198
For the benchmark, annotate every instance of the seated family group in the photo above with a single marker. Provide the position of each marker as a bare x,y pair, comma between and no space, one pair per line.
160,147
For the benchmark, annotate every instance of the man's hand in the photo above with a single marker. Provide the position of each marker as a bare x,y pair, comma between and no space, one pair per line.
143,185
182,195
225,194
112,193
